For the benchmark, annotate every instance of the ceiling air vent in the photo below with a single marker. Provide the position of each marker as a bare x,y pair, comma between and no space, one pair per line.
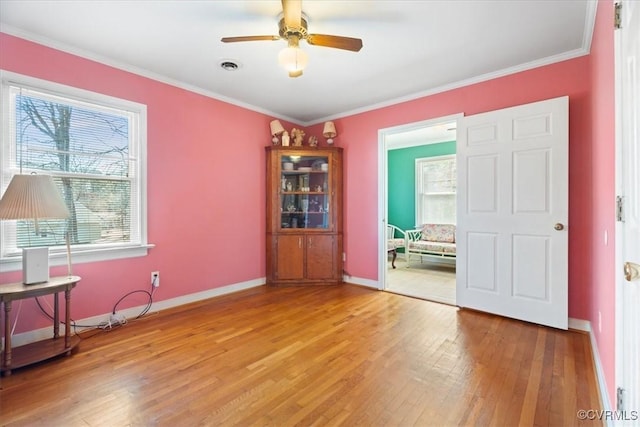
228,65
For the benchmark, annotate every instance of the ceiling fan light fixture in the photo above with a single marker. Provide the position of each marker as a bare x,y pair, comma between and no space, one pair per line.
294,60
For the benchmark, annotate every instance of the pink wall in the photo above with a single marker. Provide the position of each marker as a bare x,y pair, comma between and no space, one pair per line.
602,166
215,150
206,181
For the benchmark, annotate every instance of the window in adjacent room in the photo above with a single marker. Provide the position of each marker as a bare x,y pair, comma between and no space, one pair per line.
94,147
436,190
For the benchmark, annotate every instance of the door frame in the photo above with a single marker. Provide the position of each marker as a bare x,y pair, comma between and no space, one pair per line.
383,148
619,358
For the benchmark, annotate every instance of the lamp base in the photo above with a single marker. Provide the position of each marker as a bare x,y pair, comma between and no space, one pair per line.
35,265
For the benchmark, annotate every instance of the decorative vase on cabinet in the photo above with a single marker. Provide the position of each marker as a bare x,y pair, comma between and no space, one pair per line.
304,216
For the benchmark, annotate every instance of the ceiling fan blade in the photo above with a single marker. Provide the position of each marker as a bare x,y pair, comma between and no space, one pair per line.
248,39
337,42
292,10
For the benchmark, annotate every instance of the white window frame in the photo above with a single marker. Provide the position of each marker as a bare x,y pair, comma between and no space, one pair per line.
420,184
80,253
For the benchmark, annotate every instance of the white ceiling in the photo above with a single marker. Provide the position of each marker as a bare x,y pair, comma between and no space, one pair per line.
411,48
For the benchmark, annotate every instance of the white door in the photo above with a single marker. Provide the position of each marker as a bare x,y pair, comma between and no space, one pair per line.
628,230
512,212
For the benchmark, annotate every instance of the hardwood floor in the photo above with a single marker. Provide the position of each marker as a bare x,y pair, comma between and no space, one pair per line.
343,355
424,280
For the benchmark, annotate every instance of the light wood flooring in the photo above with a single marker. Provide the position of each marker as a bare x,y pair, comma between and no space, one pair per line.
311,356
424,280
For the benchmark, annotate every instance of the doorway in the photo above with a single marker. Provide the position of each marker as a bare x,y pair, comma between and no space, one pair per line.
400,148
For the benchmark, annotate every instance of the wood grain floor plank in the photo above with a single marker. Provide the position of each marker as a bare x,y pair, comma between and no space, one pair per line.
338,356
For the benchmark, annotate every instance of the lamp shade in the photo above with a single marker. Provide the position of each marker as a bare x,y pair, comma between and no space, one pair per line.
276,127
32,197
329,130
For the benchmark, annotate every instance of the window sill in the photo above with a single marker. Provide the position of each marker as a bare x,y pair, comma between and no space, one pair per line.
80,256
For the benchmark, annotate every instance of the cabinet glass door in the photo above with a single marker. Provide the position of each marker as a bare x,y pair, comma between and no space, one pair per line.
304,191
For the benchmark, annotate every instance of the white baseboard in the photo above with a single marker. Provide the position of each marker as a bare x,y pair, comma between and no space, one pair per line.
580,325
129,313
585,326
362,282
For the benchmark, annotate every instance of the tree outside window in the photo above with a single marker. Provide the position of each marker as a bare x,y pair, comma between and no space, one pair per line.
89,148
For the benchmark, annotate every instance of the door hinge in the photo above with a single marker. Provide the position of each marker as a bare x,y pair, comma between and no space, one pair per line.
620,399
619,208
617,16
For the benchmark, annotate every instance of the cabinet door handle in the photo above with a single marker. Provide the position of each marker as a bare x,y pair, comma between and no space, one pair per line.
310,241
300,242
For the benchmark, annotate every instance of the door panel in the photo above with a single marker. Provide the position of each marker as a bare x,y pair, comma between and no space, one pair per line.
531,189
482,184
320,262
482,274
290,257
513,190
530,275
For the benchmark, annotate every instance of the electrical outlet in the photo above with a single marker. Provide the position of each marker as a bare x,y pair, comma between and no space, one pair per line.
155,279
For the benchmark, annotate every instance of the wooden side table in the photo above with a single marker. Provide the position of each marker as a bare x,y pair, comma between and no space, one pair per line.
38,351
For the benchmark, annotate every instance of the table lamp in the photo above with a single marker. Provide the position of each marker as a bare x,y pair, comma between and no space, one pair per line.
34,197
329,132
276,130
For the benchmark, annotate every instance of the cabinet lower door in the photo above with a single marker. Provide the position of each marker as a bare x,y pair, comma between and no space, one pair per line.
321,262
290,257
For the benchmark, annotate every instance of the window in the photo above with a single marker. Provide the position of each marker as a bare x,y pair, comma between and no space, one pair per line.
94,147
436,190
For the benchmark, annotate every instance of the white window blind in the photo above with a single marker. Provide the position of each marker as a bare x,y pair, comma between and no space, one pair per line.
436,190
91,147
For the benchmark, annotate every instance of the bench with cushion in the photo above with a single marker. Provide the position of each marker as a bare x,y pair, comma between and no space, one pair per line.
433,240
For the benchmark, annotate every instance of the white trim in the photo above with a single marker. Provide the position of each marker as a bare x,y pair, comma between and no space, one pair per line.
601,380
585,326
417,143
411,144
79,256
362,282
130,313
579,325
589,25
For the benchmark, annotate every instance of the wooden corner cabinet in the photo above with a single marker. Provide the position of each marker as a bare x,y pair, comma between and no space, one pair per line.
304,216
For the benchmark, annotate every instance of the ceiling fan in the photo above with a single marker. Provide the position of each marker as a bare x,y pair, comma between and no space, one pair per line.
293,28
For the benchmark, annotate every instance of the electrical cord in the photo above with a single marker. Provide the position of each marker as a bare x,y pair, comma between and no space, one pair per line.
147,307
107,325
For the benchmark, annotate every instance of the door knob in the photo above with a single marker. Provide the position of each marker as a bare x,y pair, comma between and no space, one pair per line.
558,226
631,271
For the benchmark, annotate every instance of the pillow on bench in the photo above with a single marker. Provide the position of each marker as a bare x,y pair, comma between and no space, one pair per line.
445,233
